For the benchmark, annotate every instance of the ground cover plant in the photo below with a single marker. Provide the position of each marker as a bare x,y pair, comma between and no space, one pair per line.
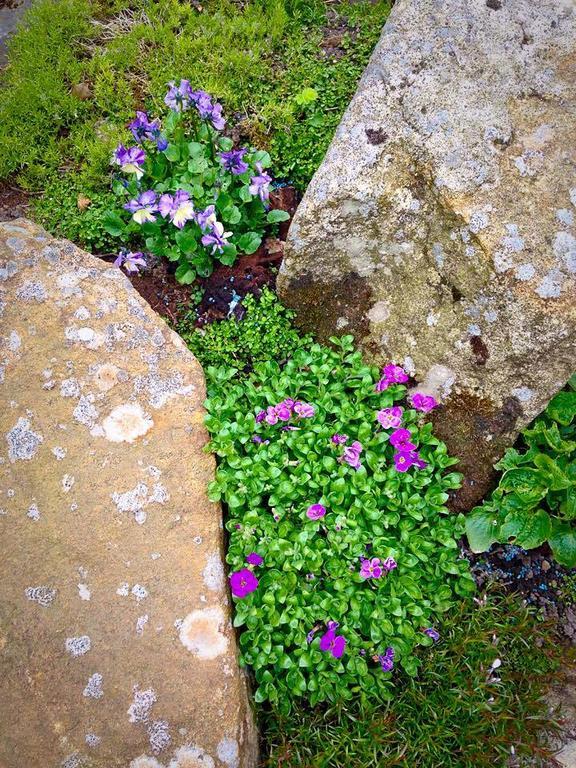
185,192
477,700
535,501
285,68
341,550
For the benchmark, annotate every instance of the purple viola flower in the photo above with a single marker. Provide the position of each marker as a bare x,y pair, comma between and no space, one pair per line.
233,161
254,559
390,417
352,453
371,569
131,261
423,402
260,416
243,582
339,439
259,441
216,237
143,128
206,218
217,118
387,660
400,439
260,184
143,207
178,97
304,410
130,160
161,143
283,411
432,633
203,103
333,643
178,208
316,511
389,564
395,374
310,635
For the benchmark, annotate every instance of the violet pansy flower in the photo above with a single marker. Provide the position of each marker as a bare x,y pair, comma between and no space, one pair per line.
179,97
206,218
178,207
315,511
143,207
422,402
390,417
131,261
333,643
243,582
233,161
260,184
143,128
216,237
130,160
432,633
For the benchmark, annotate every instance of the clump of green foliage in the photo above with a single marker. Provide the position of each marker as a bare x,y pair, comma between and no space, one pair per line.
535,501
458,712
303,503
262,59
77,214
266,330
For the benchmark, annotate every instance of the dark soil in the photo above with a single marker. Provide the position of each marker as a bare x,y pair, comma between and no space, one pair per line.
536,577
14,202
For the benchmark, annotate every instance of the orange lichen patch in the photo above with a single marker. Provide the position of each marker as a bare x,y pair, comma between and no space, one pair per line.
202,633
106,377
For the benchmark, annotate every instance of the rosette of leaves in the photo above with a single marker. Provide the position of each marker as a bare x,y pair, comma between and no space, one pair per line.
310,574
535,501
190,161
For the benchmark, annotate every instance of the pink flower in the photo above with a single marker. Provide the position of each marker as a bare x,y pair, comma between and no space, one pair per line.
400,439
260,416
304,410
389,564
405,459
271,415
395,374
381,385
371,569
283,412
243,582
254,559
316,511
387,660
352,453
390,417
339,439
423,402
333,643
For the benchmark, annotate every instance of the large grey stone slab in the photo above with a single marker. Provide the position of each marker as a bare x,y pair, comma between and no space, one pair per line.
439,229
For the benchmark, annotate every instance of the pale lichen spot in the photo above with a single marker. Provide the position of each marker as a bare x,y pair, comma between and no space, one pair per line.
551,285
59,452
228,752
78,646
202,633
23,443
524,272
70,388
144,761
42,595
32,291
191,756
85,412
84,592
67,483
159,736
92,740
93,689
213,573
139,710
379,312
126,423
33,512
106,377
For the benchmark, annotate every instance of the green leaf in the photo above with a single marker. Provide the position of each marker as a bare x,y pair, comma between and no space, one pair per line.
277,215
245,195
262,157
529,484
186,240
225,143
563,544
562,408
113,224
482,528
172,153
185,274
555,479
306,96
228,255
249,242
528,528
195,149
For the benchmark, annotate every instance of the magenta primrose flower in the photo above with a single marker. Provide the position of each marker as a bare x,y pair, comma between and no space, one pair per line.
371,569
243,582
387,660
316,511
339,439
260,184
254,559
283,411
351,454
271,415
422,402
400,439
432,633
333,643
391,374
390,417
131,261
403,460
304,410
130,160
260,416
143,207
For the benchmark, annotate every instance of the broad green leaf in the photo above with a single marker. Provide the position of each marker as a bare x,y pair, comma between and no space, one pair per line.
482,529
528,483
553,476
562,408
249,242
528,528
113,224
184,274
172,152
563,544
277,215
186,240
